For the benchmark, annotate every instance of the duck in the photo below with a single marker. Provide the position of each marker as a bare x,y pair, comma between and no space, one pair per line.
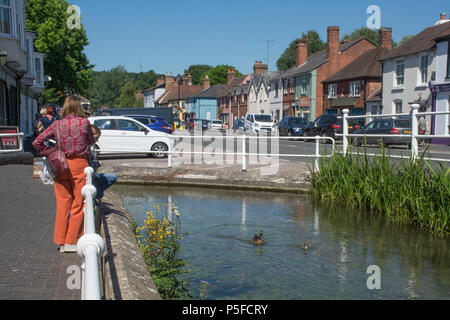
306,246
258,239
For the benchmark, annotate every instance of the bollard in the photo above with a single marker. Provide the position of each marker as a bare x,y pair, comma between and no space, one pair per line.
414,131
345,113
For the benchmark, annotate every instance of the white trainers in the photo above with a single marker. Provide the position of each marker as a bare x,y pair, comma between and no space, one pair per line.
70,248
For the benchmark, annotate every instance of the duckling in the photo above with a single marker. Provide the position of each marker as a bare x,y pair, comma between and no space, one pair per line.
306,246
258,239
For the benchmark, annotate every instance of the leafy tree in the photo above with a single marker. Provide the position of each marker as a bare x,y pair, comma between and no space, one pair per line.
65,61
128,95
198,72
218,74
369,34
315,44
107,87
144,80
403,41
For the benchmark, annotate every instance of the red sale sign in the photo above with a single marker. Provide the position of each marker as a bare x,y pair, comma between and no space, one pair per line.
9,143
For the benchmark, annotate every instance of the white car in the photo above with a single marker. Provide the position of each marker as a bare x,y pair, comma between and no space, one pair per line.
123,135
259,123
216,125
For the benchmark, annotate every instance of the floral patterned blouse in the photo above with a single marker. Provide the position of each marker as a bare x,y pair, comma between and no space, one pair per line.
76,136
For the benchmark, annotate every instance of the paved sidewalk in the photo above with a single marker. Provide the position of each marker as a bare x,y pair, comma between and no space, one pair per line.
31,268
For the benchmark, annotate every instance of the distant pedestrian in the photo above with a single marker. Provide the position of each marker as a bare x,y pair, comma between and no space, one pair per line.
422,129
102,181
76,137
48,119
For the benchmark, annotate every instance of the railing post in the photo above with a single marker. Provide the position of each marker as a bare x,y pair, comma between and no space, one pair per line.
345,113
414,131
244,158
169,157
316,160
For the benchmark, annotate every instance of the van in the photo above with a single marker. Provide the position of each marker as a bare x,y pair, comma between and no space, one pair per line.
259,123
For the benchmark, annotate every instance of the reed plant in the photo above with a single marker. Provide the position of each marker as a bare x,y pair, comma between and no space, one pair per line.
410,192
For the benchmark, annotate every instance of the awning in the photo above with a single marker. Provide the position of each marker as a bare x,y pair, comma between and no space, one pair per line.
343,102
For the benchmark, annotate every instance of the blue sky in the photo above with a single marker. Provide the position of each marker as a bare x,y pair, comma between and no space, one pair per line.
169,36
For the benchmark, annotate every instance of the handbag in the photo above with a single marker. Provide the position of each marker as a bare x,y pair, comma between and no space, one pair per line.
56,158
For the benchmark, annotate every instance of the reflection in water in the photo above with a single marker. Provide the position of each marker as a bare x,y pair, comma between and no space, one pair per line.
343,243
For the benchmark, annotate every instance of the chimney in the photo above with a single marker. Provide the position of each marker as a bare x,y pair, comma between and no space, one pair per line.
301,53
160,81
206,82
170,81
442,16
333,49
230,76
386,38
259,67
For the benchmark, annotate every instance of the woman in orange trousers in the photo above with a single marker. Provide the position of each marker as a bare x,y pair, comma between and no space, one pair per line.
76,136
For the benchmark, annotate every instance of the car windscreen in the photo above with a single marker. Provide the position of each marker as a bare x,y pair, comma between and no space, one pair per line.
263,118
217,121
402,124
298,122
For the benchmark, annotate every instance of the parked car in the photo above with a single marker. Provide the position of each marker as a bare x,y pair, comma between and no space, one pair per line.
259,123
401,126
154,123
238,124
124,135
217,125
292,126
328,125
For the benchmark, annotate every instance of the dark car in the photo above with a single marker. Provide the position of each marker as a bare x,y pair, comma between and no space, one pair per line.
328,125
152,122
292,126
238,124
392,127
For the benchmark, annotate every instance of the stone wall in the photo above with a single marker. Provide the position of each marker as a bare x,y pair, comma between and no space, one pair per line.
125,272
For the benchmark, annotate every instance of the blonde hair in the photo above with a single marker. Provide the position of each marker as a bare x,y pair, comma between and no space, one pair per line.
72,105
43,112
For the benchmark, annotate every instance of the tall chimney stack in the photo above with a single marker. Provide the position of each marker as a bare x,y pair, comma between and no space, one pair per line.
170,81
230,76
206,82
442,16
386,38
301,52
259,67
333,49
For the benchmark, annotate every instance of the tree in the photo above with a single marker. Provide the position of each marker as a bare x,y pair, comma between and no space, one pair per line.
364,32
107,87
315,44
218,74
65,61
128,95
198,72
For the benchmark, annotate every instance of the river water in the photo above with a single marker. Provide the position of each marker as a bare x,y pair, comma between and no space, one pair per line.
344,244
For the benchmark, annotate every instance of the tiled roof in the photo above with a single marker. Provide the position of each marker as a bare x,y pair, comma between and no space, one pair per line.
184,92
423,41
211,92
316,60
234,83
365,66
158,86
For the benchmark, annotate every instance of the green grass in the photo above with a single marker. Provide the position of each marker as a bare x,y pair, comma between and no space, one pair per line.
412,192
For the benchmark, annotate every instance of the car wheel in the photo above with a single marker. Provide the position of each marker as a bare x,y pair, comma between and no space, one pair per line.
159,147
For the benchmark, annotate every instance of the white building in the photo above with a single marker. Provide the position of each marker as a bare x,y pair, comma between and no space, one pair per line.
276,96
440,88
21,69
259,93
408,70
151,95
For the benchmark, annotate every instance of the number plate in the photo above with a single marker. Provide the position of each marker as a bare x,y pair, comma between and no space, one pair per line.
407,131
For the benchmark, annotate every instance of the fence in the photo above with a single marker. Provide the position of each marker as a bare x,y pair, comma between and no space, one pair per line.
414,131
10,135
91,245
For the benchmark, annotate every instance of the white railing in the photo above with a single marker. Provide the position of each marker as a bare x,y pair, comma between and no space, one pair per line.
244,153
414,136
91,245
20,138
